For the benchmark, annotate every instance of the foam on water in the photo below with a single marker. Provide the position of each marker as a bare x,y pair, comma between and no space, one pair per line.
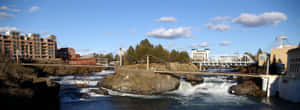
69,93
214,90
115,93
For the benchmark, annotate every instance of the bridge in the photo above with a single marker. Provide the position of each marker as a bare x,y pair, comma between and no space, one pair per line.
225,60
178,73
269,82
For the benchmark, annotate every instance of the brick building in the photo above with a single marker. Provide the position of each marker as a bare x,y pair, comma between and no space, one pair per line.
87,60
66,53
29,46
279,57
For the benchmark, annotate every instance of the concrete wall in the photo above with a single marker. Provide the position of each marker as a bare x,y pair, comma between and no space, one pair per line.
270,84
289,89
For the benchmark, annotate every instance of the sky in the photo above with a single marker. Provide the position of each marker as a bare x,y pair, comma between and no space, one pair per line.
102,26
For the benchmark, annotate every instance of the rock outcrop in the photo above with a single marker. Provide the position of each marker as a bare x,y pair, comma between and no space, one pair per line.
139,82
247,86
193,79
100,91
20,88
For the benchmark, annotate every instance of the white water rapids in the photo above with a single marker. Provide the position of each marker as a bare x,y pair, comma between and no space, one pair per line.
212,94
213,89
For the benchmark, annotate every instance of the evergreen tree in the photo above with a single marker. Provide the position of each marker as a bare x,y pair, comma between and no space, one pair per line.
143,49
160,54
131,55
258,53
184,57
117,57
174,56
109,56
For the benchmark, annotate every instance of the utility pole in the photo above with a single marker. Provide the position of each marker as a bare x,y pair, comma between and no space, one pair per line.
147,62
120,56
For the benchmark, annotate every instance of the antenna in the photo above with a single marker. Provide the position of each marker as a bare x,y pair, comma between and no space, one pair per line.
281,38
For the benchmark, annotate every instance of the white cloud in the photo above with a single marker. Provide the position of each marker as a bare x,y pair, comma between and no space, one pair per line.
167,19
218,27
252,20
5,8
202,44
4,15
172,33
34,8
5,29
225,43
133,31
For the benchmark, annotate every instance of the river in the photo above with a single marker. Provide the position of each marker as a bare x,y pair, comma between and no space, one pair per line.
210,95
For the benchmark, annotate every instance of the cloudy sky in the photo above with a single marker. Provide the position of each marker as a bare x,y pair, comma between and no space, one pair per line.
224,26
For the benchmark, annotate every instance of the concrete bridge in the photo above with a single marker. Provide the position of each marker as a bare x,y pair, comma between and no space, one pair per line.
269,82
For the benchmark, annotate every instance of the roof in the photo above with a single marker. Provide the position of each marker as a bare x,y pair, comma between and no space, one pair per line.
296,50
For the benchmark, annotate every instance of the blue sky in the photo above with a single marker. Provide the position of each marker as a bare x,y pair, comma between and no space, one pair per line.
224,26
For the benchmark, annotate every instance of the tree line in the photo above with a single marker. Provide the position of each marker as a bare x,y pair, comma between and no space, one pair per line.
157,54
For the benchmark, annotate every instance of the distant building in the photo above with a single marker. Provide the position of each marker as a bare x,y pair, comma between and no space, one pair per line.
200,54
29,46
102,61
86,60
279,57
293,69
262,59
289,85
66,53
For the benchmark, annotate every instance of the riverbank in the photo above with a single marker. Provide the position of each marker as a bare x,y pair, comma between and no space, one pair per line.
59,70
22,88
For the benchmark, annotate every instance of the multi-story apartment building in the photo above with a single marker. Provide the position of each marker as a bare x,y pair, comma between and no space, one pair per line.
29,46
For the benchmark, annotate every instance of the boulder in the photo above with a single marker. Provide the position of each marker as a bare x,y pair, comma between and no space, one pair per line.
193,79
84,95
100,91
139,82
81,85
247,88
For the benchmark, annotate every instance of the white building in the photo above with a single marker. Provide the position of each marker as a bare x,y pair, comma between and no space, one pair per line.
200,54
289,85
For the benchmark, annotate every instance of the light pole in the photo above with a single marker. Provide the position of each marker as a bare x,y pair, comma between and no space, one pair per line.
120,56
